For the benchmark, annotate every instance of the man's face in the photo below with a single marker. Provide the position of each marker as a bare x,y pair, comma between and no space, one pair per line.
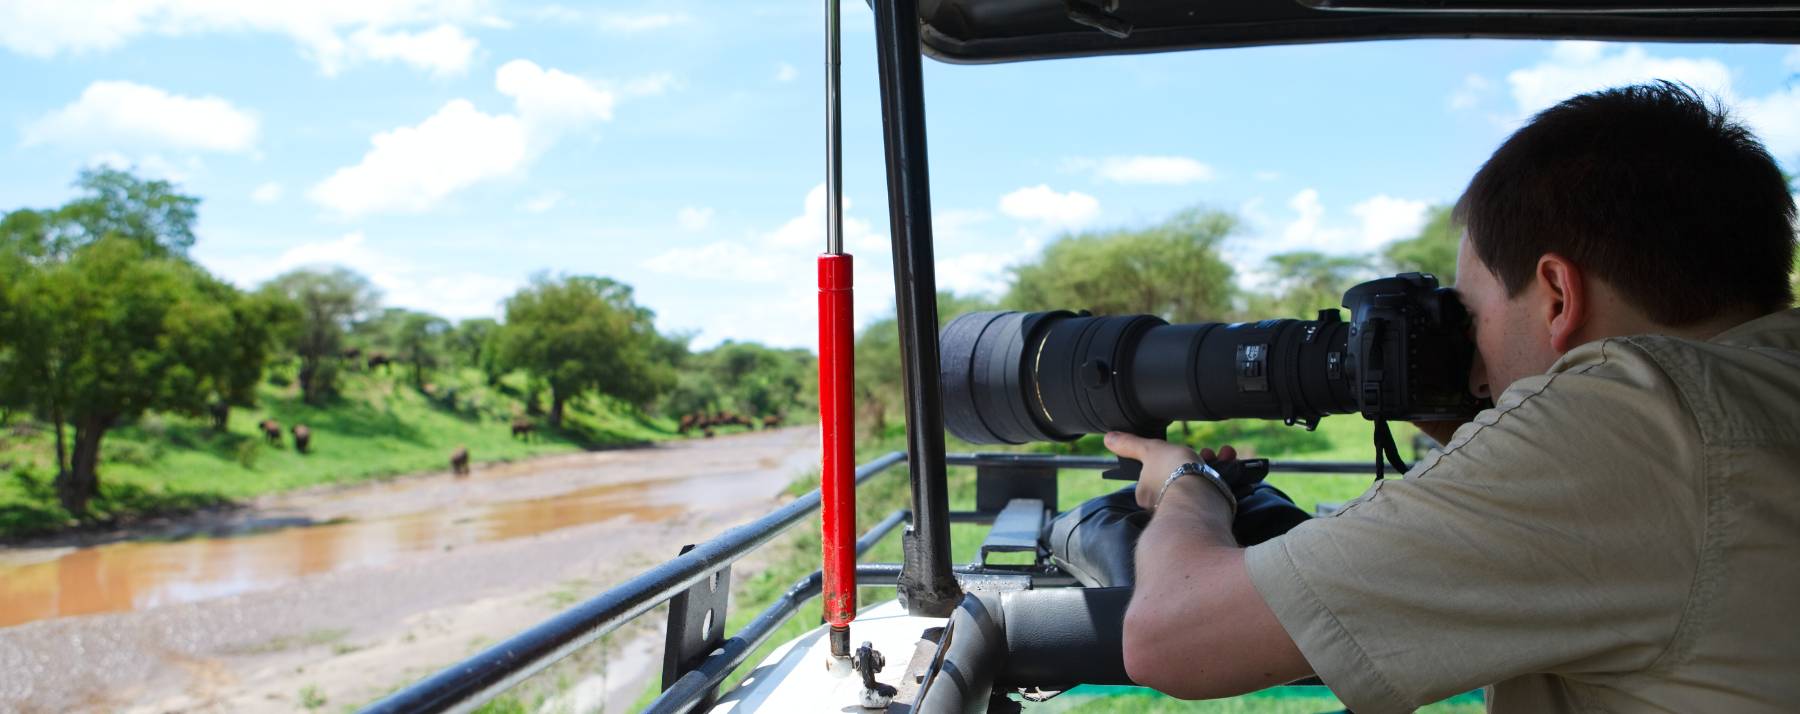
1509,340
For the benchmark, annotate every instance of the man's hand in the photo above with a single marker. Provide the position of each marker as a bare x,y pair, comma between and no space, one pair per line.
1160,458
1196,628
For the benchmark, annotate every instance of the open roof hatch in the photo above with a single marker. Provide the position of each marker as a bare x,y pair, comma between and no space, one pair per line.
973,31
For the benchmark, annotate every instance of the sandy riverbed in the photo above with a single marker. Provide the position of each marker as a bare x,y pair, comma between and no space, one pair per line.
459,564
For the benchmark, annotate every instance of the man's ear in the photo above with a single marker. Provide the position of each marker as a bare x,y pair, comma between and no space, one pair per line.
1567,304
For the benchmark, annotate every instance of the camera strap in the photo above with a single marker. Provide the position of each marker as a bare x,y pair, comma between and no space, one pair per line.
1386,450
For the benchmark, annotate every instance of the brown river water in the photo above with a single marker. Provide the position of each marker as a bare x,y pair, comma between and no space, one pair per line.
137,575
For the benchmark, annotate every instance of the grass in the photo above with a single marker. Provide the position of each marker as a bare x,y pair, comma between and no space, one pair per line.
311,698
379,426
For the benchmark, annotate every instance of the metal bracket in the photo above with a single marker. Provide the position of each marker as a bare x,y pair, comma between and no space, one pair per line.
996,486
1018,529
696,627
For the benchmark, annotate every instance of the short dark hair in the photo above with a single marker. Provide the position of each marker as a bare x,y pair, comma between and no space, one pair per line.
1652,188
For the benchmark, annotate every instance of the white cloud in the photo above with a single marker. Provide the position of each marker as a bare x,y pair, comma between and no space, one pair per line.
785,72
116,114
1153,170
1306,231
412,168
1473,88
324,30
620,22
1310,226
771,280
266,193
1776,119
651,84
542,202
1385,218
403,282
1576,67
443,50
552,97
1043,205
693,218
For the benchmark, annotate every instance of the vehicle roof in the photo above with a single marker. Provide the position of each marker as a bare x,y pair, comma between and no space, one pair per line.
975,31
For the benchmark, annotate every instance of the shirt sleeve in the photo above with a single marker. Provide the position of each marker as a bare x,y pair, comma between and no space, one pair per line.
1558,532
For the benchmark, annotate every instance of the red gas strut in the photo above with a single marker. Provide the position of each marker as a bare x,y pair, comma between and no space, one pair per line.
837,375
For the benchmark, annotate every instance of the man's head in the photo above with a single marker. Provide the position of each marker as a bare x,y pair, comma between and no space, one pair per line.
1630,210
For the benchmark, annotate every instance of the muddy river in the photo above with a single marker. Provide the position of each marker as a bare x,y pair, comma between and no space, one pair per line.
340,595
271,553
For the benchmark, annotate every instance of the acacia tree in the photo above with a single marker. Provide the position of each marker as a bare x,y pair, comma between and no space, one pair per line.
1433,250
112,203
112,332
577,333
417,338
1306,282
325,303
470,339
1172,270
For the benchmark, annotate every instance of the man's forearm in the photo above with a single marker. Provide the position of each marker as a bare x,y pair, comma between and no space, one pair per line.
1196,627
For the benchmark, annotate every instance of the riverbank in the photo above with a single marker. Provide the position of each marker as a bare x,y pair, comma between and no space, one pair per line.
166,467
472,561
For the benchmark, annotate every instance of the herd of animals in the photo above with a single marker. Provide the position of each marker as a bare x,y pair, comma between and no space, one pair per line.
525,429
522,427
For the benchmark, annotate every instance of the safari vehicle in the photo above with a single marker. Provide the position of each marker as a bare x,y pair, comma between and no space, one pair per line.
981,636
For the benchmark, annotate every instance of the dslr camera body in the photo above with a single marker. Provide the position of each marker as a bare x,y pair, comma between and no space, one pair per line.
1017,377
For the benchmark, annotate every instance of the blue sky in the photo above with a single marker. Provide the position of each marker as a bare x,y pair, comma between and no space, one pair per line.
451,149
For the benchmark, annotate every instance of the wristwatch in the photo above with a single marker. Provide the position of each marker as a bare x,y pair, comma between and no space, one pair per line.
1204,473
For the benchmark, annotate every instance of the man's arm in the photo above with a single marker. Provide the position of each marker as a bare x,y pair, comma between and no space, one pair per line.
1196,628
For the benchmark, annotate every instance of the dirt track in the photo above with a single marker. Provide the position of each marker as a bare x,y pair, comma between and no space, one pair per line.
474,560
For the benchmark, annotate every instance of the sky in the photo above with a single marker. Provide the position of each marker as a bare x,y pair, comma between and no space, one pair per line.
450,150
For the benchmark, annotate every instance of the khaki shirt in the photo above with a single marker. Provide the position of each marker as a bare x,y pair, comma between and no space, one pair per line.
1620,534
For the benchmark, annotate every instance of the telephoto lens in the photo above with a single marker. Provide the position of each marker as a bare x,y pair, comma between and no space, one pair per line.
1019,377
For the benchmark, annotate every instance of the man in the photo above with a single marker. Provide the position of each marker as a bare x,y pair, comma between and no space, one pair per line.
1620,532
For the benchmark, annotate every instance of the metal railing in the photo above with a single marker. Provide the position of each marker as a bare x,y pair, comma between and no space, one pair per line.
472,682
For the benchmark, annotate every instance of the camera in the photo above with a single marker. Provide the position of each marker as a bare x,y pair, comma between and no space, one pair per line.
1018,377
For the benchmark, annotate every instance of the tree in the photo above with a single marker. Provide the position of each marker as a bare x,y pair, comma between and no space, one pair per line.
470,339
577,333
878,368
1432,251
1171,270
110,333
418,340
326,303
1307,282
113,204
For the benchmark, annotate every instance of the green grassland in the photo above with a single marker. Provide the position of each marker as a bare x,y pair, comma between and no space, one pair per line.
379,426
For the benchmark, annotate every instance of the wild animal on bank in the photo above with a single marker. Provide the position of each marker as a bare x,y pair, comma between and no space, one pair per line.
459,461
271,430
523,428
302,438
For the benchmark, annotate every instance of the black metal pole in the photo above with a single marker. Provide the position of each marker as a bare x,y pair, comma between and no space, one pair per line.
927,586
